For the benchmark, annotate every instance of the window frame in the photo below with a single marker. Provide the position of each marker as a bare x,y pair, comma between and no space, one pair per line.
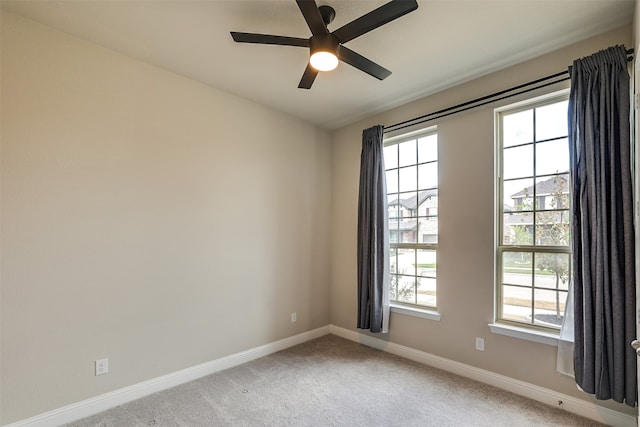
499,321
404,307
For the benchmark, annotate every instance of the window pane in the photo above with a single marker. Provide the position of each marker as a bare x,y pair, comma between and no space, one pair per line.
403,289
552,228
555,190
552,156
393,262
391,156
392,206
518,195
427,176
517,128
516,268
407,231
423,204
518,162
551,121
549,308
517,229
407,153
407,222
426,294
428,148
429,203
516,303
552,271
408,179
392,181
428,230
407,203
426,265
407,261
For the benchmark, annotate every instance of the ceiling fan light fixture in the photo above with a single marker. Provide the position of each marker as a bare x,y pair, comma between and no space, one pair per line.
323,60
326,47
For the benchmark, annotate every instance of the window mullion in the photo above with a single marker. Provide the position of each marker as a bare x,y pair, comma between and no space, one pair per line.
533,287
535,179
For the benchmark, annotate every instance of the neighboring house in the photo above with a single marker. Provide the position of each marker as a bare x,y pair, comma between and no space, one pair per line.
414,219
550,210
552,193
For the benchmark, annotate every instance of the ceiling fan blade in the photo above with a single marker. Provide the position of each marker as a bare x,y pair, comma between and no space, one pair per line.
374,19
269,39
308,77
312,15
361,63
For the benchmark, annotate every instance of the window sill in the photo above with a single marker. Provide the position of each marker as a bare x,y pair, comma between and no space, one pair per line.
417,312
525,334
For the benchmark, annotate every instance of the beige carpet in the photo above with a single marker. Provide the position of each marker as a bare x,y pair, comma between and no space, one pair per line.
333,382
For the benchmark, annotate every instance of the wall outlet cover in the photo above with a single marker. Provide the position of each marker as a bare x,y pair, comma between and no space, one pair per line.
102,366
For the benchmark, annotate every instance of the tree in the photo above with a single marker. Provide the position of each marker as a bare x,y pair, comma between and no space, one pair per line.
402,291
558,265
549,225
552,228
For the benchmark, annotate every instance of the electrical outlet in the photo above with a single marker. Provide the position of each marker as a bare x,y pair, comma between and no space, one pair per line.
479,344
293,318
102,366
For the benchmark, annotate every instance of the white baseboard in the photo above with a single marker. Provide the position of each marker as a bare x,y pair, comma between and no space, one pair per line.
540,394
112,399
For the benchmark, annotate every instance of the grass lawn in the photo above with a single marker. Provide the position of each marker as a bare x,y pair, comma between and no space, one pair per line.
527,270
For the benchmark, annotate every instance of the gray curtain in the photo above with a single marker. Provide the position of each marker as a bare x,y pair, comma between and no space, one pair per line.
602,226
373,235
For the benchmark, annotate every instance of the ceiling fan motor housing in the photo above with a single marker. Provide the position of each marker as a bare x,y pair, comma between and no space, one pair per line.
324,43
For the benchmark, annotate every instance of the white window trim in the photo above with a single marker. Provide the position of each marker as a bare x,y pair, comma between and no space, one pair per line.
525,333
525,104
408,135
499,326
423,313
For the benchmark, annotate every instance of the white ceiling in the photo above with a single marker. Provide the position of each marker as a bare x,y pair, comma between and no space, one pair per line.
441,44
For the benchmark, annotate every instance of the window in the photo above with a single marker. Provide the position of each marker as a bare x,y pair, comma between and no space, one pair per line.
533,255
411,163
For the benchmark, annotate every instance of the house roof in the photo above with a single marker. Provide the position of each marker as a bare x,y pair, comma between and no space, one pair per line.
548,186
413,202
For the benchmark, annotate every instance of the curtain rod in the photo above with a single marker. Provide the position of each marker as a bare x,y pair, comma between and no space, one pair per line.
487,99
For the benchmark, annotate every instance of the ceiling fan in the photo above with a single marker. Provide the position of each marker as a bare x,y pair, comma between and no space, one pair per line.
325,47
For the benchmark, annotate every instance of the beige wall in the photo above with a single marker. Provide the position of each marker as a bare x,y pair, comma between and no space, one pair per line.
146,218
466,215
